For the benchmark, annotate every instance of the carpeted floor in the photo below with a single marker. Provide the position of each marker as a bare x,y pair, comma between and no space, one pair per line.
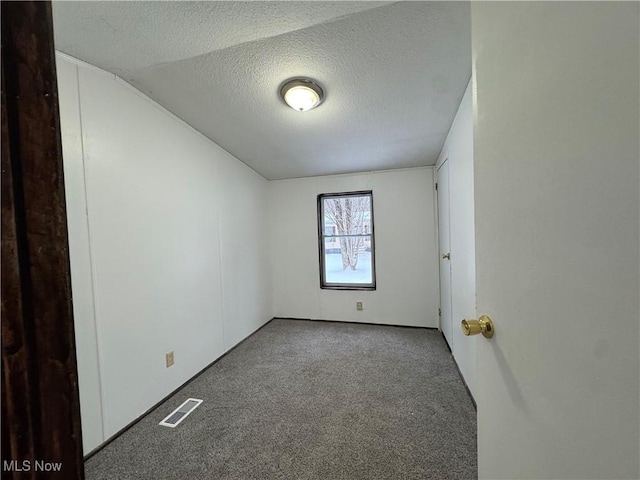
311,400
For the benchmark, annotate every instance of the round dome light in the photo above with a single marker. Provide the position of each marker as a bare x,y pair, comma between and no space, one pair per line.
302,94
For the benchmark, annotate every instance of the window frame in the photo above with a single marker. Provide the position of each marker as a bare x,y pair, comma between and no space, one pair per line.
321,242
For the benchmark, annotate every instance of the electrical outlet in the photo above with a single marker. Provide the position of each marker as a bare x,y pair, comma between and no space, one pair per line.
169,358
358,305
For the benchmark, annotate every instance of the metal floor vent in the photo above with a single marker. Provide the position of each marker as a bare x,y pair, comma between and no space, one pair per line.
180,413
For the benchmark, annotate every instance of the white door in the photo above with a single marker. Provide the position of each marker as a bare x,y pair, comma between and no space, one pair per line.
445,244
557,199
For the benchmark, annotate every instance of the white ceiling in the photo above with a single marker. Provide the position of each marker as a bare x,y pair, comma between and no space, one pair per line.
394,74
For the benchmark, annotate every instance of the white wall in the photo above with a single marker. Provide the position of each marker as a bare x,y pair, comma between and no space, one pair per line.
244,250
405,242
80,257
163,226
557,188
458,152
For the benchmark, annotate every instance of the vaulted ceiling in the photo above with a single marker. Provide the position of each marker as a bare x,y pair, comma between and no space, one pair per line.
394,74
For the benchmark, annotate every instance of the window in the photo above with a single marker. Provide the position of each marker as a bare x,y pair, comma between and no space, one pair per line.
345,239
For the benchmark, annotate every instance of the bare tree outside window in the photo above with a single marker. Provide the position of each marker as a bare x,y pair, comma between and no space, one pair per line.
348,214
346,240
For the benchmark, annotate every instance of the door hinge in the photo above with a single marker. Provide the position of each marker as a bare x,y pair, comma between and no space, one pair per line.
436,187
439,312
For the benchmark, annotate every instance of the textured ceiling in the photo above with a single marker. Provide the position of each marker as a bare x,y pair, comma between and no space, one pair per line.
394,74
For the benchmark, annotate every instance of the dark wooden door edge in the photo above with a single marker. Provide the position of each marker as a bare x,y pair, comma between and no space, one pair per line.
41,434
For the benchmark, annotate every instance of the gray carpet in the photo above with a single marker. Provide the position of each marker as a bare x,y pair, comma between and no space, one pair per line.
311,400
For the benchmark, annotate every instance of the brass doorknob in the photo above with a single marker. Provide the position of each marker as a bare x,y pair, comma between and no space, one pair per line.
447,256
483,325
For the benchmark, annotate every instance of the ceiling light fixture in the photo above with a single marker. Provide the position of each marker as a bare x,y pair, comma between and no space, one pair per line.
302,94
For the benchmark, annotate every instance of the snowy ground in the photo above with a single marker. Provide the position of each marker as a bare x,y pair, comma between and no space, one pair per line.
335,273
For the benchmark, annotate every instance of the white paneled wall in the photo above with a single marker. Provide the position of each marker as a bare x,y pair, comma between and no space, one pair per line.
405,240
244,250
81,270
163,226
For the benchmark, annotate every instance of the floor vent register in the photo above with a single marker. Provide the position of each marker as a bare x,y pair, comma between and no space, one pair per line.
179,414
